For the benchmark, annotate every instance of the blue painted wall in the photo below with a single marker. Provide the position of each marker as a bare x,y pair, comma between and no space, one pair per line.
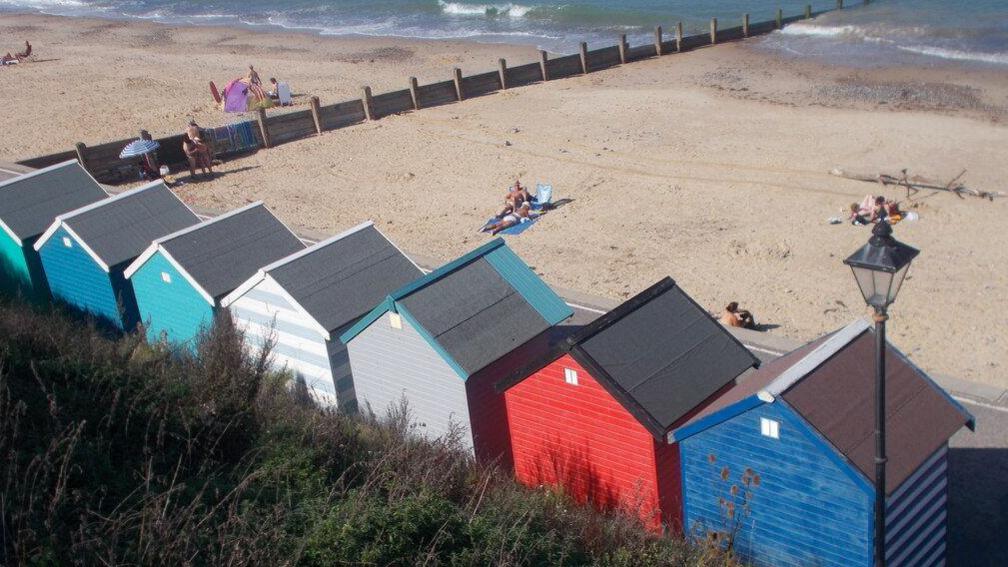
807,509
15,276
77,280
174,311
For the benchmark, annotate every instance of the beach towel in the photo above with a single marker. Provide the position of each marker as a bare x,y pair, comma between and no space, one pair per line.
516,229
234,138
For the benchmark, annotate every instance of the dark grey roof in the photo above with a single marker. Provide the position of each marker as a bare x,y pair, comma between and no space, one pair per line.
659,354
665,352
120,229
475,315
339,282
222,253
29,204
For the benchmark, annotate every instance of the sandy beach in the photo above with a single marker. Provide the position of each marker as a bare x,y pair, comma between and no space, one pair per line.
711,166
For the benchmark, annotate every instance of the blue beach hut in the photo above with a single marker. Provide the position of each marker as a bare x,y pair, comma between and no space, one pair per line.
28,205
435,343
85,251
181,278
784,461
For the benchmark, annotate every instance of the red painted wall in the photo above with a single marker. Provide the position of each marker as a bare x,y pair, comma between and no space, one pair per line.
581,438
489,422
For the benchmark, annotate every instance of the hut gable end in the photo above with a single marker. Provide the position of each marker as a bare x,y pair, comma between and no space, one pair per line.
806,509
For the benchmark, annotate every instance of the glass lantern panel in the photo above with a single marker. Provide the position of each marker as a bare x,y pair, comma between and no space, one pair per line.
897,282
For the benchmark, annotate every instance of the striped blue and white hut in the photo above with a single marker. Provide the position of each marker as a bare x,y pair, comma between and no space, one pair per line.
302,303
788,455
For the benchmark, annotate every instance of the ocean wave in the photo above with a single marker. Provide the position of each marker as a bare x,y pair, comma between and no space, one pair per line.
489,10
956,54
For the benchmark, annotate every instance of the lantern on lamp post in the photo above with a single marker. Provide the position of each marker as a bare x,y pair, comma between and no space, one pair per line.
880,268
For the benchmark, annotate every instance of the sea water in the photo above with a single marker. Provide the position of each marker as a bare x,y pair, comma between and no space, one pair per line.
885,32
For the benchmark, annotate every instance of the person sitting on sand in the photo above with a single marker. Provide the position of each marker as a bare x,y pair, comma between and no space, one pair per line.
26,53
858,216
274,88
196,150
516,195
516,216
735,317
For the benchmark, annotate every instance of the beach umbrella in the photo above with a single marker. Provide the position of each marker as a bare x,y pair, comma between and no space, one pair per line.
138,148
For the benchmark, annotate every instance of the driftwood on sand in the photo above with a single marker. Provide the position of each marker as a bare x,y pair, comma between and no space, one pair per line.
917,183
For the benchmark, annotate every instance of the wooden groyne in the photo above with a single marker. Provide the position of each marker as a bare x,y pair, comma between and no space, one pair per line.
103,160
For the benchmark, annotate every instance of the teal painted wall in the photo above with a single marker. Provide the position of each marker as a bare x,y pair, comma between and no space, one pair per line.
807,509
173,311
77,280
15,276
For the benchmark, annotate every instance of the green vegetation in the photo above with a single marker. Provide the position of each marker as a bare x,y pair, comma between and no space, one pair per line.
116,452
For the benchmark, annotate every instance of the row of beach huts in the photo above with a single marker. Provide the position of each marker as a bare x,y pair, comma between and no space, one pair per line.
653,408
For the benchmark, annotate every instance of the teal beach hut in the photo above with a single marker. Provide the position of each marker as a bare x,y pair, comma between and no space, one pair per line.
28,205
85,251
181,278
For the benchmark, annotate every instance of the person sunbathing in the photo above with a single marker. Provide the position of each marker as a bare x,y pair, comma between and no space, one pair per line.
512,218
516,195
196,151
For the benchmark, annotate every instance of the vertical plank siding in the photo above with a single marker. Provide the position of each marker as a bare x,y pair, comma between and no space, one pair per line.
77,280
916,520
392,364
806,509
173,311
579,437
15,276
266,313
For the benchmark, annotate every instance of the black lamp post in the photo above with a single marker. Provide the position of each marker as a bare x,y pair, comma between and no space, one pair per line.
879,268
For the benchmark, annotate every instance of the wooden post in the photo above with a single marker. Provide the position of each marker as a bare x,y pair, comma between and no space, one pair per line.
713,31
839,4
315,114
263,128
622,49
457,76
678,36
503,72
81,149
658,41
543,60
368,103
745,25
413,94
584,57
780,18
808,11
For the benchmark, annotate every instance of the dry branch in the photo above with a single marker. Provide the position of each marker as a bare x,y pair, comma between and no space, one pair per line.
917,183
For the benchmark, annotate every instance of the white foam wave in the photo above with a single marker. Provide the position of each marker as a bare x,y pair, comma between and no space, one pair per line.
956,54
459,9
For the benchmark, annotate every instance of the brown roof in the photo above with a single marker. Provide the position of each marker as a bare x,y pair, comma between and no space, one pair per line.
838,399
833,389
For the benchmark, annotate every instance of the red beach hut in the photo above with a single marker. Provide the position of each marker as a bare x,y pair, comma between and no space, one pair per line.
591,412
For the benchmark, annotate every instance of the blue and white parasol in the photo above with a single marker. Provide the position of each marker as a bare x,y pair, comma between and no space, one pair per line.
138,148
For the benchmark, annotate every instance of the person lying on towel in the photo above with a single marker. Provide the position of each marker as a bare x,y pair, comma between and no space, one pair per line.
516,216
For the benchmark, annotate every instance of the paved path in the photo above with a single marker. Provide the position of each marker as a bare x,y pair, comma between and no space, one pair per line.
978,461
